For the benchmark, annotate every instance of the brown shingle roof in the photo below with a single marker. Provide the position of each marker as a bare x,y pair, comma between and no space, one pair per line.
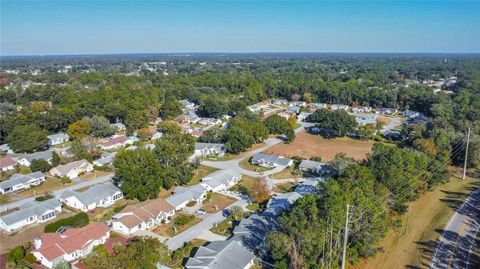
144,211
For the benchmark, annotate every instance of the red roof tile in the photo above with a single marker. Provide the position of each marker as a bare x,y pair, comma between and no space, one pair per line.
6,162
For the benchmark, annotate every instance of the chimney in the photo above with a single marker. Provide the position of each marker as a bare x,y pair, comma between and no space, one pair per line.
37,242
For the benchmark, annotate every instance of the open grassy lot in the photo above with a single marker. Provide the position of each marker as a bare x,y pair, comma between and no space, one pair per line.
308,145
412,245
284,187
200,172
286,173
218,202
49,185
245,164
168,230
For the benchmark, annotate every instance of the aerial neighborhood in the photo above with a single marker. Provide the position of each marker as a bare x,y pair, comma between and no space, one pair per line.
197,168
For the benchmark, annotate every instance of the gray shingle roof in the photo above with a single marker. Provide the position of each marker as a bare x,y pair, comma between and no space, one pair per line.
64,169
220,177
58,136
253,230
43,155
206,146
282,202
186,194
30,209
307,164
93,194
270,158
19,179
220,255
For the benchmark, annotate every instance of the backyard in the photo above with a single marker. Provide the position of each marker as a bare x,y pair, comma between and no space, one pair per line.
50,184
218,202
184,221
308,145
200,172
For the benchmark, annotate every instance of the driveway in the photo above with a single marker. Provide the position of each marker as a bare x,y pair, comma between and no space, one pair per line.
80,184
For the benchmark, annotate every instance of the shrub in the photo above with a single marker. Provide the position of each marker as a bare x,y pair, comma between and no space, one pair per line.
119,208
182,220
45,197
65,180
78,220
16,254
191,203
30,258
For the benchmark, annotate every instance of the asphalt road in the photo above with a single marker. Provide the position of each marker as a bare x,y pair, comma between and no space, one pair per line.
457,243
57,193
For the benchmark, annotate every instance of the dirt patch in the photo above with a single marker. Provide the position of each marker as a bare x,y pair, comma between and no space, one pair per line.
307,146
411,246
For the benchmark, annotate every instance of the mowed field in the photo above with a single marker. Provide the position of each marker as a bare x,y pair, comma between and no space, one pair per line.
307,146
412,245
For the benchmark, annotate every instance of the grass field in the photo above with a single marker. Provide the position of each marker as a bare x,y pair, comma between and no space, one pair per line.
218,202
200,172
412,245
307,146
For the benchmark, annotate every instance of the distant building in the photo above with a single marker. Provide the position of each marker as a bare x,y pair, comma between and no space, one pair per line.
387,111
209,149
73,244
57,139
361,109
72,170
280,102
101,195
294,109
18,181
26,160
30,213
303,115
318,105
4,148
339,107
187,104
366,119
115,142
297,103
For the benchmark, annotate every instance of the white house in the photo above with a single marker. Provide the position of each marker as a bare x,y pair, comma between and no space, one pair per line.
361,109
270,161
366,119
209,121
30,213
105,159
72,170
73,244
255,107
7,163
182,196
4,148
143,216
221,180
297,103
387,111
209,149
303,115
100,195
18,182
229,254
339,107
280,102
27,159
287,114
318,105
115,142
57,139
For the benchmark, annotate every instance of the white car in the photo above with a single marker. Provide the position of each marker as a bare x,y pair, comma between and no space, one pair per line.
200,211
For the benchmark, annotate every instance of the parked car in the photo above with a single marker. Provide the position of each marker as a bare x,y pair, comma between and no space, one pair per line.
226,212
200,211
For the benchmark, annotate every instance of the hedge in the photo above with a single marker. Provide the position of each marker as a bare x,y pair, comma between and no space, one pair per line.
79,220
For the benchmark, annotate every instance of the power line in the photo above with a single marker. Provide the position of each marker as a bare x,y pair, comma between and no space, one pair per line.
466,155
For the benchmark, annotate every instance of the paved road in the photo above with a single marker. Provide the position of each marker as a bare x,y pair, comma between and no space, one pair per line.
57,193
394,122
198,229
455,247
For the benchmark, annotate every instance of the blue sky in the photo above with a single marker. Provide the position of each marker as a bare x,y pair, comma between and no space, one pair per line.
79,27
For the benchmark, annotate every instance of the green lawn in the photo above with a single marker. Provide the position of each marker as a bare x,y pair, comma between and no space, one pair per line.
200,172
245,184
223,228
168,229
4,199
286,173
253,207
245,164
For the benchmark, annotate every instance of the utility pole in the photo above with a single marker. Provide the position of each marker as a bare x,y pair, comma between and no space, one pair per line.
466,155
345,238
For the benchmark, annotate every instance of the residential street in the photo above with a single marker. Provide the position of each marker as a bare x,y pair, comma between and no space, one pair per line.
80,184
457,243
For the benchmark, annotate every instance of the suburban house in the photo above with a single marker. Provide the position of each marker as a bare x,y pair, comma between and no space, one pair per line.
27,159
297,103
209,121
313,167
187,104
280,102
119,126
282,202
4,148
303,115
339,107
270,161
255,107
64,152
156,135
57,139
209,149
387,111
221,254
143,216
30,213
366,119
75,243
105,159
221,180
361,109
293,109
72,170
19,181
182,196
287,114
100,195
318,105
7,163
115,142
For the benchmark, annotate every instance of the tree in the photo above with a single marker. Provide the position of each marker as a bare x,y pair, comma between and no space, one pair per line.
212,135
79,129
55,159
136,119
170,109
337,121
139,173
236,212
144,134
39,165
100,126
260,192
16,254
27,138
